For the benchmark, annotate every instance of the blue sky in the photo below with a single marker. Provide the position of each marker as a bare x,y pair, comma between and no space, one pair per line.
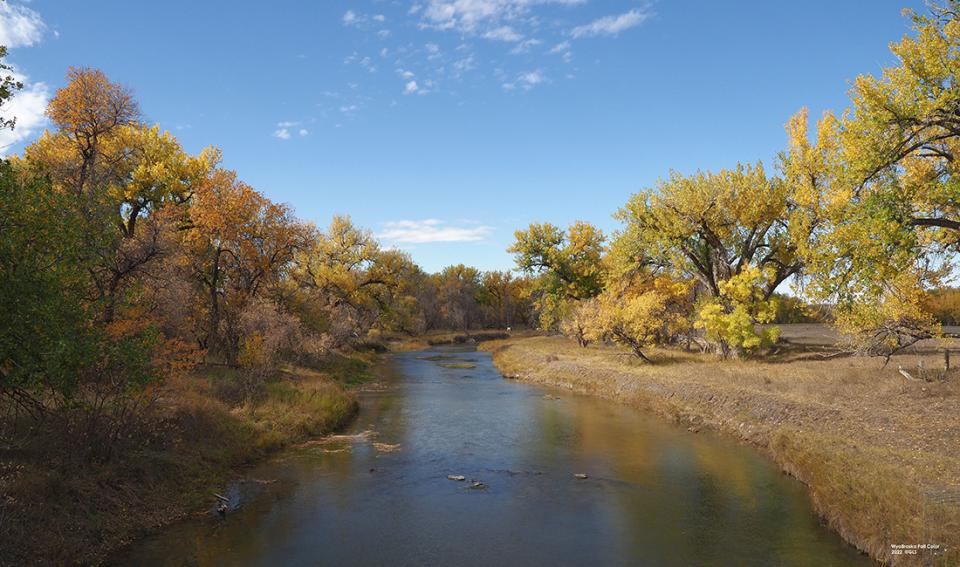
444,125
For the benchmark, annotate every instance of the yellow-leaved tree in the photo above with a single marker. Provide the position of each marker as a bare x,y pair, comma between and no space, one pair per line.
641,312
731,320
730,233
568,263
876,217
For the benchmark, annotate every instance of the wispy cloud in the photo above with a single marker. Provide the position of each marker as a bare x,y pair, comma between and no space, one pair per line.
431,230
478,17
504,33
351,18
19,26
364,61
287,128
525,45
481,38
526,81
610,25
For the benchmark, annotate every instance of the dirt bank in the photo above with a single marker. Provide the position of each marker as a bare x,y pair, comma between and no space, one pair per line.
879,454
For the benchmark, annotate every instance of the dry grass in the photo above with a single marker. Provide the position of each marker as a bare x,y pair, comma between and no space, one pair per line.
201,433
451,337
880,454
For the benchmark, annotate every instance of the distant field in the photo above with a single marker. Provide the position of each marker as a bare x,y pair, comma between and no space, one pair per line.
817,336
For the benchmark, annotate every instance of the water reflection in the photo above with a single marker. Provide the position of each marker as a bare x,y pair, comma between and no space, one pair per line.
655,495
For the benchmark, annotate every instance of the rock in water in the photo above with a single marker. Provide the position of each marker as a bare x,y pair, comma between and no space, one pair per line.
457,477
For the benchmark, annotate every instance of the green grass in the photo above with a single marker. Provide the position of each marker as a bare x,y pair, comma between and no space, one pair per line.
353,370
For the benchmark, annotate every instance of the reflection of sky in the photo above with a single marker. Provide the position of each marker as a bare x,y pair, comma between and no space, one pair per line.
656,495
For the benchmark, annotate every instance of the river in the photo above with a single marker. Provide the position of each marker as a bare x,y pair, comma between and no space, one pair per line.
654,494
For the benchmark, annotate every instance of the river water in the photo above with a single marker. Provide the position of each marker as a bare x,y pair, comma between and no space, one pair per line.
655,494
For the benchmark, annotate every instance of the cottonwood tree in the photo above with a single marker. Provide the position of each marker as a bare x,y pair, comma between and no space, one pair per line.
712,226
878,191
721,230
458,290
640,312
121,173
355,283
239,245
568,264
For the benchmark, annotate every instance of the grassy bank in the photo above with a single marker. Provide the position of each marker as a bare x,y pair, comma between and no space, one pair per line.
447,337
880,455
201,432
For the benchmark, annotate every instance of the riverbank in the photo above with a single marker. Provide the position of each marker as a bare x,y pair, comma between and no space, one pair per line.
880,455
202,432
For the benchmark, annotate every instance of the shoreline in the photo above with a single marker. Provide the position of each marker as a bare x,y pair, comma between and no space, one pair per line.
876,490
209,442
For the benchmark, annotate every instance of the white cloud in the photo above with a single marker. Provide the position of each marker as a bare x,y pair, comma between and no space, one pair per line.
431,230
504,33
28,106
19,26
366,62
461,66
351,18
525,45
287,128
610,25
479,16
411,87
526,81
564,50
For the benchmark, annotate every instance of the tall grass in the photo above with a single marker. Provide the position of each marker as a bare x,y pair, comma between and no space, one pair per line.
203,428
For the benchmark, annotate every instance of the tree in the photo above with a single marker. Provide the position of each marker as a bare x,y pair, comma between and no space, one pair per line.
712,226
458,292
581,322
903,135
568,263
731,319
640,313
239,244
501,299
88,112
356,282
121,173
878,190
